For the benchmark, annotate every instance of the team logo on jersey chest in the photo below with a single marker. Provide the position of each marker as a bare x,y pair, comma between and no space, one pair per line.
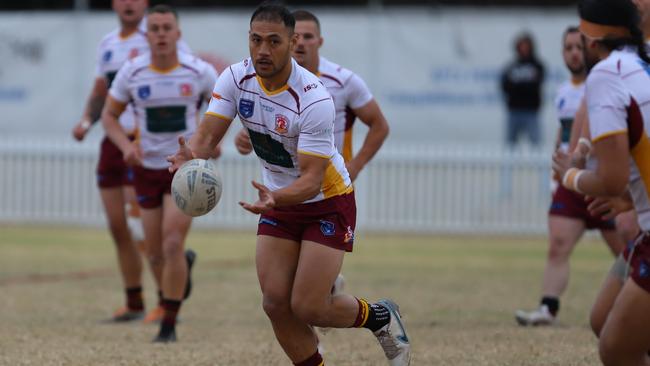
246,108
133,53
107,56
144,91
186,89
281,123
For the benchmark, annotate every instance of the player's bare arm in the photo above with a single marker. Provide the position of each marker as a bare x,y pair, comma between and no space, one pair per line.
579,144
558,139
110,121
93,109
312,172
577,126
611,177
204,144
371,115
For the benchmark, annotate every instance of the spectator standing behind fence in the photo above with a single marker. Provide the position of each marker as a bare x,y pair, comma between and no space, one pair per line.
521,83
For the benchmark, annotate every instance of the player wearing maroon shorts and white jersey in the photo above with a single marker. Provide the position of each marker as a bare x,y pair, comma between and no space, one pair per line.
114,178
166,88
568,216
618,101
351,96
306,200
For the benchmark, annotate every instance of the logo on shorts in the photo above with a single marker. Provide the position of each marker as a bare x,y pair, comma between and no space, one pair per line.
349,236
264,220
107,56
186,90
142,199
144,91
246,108
281,123
644,270
327,228
130,175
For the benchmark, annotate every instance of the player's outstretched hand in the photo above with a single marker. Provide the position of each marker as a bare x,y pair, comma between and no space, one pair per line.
183,155
243,142
264,203
561,163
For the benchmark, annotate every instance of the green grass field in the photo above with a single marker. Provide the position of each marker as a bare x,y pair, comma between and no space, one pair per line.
458,296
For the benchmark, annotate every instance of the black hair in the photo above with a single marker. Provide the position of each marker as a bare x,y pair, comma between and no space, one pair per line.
304,15
528,38
570,29
617,13
271,11
163,9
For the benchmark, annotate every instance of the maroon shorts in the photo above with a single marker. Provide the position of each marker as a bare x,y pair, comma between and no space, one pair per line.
571,204
151,185
637,255
112,171
330,222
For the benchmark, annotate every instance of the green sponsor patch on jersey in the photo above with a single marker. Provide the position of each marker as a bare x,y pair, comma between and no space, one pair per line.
166,119
270,150
110,76
566,124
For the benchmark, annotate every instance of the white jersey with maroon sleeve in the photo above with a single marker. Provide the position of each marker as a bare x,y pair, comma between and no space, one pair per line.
567,102
166,102
349,92
618,99
295,119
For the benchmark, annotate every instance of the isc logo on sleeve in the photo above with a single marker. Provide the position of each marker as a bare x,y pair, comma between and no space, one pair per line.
246,108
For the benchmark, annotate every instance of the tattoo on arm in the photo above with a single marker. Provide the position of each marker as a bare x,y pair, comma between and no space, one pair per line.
95,106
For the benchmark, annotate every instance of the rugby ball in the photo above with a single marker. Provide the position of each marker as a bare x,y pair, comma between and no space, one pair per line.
196,187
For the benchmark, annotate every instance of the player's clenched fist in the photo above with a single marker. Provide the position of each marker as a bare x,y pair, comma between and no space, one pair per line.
243,142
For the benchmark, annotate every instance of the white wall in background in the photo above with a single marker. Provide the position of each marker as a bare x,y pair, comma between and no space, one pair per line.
434,72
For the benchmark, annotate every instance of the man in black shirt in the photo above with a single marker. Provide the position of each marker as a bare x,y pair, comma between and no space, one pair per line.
521,83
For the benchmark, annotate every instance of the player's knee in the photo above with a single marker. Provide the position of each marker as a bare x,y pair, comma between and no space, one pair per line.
173,246
559,248
307,312
276,306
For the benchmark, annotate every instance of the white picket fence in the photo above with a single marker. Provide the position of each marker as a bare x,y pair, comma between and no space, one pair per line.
425,190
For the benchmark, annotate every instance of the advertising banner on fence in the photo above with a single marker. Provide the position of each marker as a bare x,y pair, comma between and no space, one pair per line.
435,72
